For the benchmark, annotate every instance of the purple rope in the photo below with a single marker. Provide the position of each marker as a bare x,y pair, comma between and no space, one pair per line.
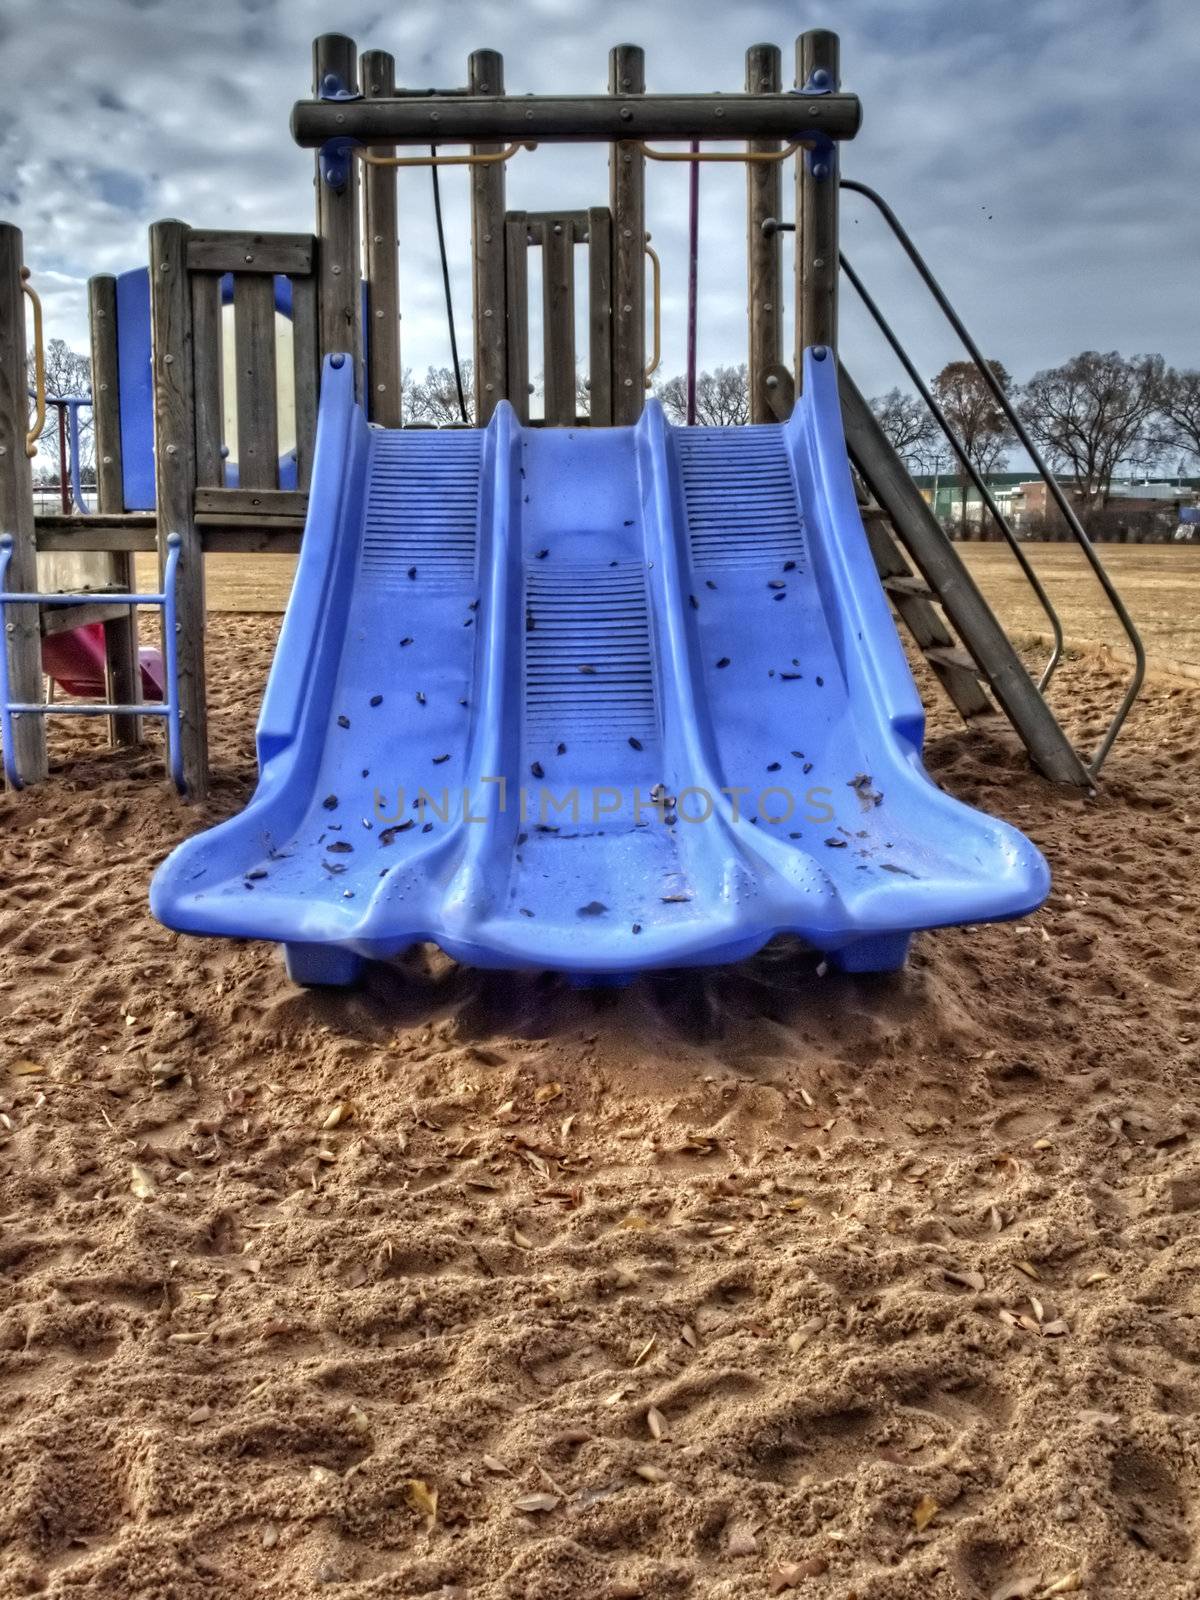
693,253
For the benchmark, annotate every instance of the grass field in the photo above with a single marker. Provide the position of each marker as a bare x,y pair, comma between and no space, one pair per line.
1160,584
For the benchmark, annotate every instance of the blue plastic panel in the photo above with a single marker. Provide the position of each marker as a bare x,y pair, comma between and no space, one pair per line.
137,387
596,700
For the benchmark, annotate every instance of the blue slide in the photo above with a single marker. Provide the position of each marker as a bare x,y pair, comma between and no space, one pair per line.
596,700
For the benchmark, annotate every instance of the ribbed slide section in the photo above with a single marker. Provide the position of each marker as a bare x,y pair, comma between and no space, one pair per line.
422,505
588,666
741,502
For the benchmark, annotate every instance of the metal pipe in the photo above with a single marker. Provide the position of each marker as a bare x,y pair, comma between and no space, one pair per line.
969,468
483,119
1031,450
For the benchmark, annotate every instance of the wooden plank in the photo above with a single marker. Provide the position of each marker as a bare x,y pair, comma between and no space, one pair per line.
338,313
62,619
175,481
16,512
254,356
122,670
208,375
517,297
627,200
816,214
764,253
258,539
488,254
270,502
382,262
558,321
599,230
306,374
210,250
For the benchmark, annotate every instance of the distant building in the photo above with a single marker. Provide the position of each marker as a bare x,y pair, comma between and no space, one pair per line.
1136,510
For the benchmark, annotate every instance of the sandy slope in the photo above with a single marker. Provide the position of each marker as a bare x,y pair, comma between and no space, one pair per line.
867,1247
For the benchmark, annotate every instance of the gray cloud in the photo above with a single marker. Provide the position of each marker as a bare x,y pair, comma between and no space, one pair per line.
1042,153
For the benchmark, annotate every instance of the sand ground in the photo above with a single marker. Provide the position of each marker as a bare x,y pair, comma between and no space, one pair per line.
723,1286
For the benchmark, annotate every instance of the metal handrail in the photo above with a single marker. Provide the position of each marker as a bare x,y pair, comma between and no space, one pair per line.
656,280
969,468
169,708
1060,499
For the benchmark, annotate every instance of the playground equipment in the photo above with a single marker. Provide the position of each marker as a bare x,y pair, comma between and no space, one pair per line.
779,479
539,694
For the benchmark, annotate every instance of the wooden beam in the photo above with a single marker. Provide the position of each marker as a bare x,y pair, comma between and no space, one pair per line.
20,631
288,253
558,320
383,263
225,533
268,502
339,317
306,374
254,358
175,481
62,619
517,300
123,677
627,197
599,230
460,119
817,53
764,254
488,253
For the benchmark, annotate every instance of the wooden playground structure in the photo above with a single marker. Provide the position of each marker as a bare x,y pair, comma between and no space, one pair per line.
362,126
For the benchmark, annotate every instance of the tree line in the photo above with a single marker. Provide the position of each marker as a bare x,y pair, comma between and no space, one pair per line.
1094,417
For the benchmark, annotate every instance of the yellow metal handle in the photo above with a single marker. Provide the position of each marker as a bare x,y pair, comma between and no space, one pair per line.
475,159
39,368
656,274
724,155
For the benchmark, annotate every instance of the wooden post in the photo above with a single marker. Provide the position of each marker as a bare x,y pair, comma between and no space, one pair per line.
558,320
486,76
335,56
600,399
516,293
764,263
627,192
122,671
21,634
175,481
382,383
306,373
816,212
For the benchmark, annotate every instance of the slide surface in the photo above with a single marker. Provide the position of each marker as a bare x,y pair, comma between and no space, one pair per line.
591,700
75,659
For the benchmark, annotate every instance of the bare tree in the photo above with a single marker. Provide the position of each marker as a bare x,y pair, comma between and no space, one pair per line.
722,397
1179,411
1095,413
910,428
976,418
68,375
433,400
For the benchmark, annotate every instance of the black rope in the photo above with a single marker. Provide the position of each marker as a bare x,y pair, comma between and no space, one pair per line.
437,211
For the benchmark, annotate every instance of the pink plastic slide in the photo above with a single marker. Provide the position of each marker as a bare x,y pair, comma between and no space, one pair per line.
75,660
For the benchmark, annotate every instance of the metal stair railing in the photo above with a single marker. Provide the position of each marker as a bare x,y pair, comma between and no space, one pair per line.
1079,533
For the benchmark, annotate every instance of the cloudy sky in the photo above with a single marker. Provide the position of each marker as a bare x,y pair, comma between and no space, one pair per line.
1044,153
